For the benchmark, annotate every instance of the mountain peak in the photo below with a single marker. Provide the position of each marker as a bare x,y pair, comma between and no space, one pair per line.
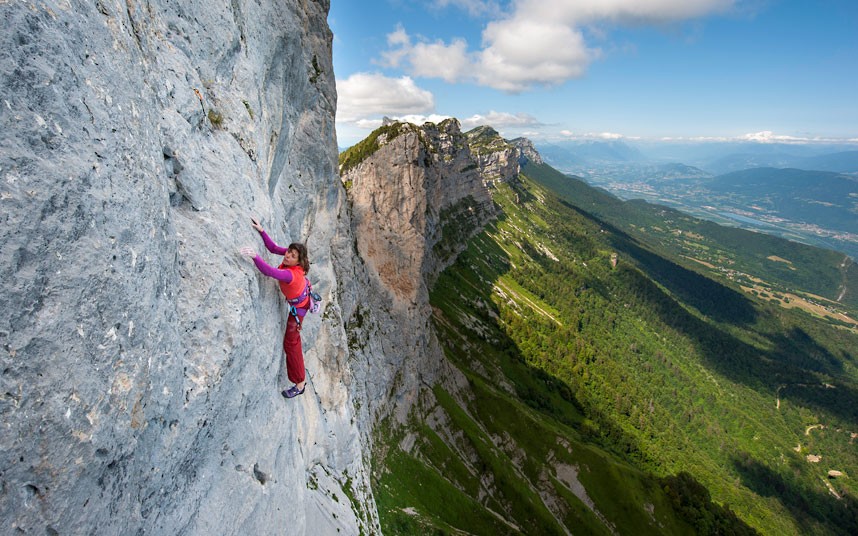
485,138
528,151
483,130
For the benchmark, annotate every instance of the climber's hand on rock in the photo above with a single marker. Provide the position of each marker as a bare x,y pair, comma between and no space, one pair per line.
256,224
248,252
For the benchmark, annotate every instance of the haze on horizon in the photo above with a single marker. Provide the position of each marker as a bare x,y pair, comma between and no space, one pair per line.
744,70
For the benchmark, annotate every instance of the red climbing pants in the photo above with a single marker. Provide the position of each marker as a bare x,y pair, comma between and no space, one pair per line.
294,353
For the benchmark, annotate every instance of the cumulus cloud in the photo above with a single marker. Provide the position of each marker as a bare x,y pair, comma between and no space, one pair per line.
372,123
624,11
500,120
536,43
419,119
517,58
568,134
437,59
364,95
767,136
400,43
764,136
525,53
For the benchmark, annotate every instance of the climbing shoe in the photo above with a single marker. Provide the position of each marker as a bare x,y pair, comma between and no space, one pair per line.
293,391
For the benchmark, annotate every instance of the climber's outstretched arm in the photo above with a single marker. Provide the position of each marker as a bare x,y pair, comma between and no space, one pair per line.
267,269
270,245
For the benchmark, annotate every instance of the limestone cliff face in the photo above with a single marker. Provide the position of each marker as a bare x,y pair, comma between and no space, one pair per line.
497,158
528,151
416,194
140,354
398,195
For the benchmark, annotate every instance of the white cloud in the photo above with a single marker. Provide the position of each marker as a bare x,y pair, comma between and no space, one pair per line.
439,60
430,60
764,136
521,54
398,37
399,43
649,11
767,136
418,119
568,134
518,58
372,123
369,124
607,136
499,120
537,43
364,95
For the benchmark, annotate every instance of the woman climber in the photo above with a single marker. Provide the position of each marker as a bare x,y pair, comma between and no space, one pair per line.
294,285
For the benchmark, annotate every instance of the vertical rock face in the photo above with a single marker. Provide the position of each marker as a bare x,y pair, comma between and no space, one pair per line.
140,355
416,195
527,150
497,158
398,195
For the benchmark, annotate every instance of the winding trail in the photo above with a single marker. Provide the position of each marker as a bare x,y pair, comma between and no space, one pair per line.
813,427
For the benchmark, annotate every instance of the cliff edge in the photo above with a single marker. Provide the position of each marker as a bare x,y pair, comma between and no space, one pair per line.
141,354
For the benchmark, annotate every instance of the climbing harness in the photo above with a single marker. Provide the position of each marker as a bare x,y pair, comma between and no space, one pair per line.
314,306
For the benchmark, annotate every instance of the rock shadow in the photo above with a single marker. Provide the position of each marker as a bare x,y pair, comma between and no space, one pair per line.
711,298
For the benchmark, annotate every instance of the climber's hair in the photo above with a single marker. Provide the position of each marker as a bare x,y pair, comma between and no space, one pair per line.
303,259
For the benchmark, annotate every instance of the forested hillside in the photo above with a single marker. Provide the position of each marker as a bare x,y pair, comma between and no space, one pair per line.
754,259
603,383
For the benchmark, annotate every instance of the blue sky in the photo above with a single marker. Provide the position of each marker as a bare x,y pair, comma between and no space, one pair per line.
769,70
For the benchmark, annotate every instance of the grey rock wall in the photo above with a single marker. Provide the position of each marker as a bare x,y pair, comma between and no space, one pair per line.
414,202
398,199
140,359
528,151
497,159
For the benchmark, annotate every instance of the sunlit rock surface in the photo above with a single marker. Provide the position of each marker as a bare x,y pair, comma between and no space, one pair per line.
141,354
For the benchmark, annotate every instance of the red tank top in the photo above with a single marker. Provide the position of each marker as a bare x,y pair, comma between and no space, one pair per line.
296,287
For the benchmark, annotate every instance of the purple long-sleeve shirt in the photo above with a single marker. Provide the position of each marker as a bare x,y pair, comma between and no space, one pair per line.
267,269
271,245
285,276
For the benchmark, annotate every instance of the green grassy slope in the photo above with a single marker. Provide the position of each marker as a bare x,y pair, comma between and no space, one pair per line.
597,399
